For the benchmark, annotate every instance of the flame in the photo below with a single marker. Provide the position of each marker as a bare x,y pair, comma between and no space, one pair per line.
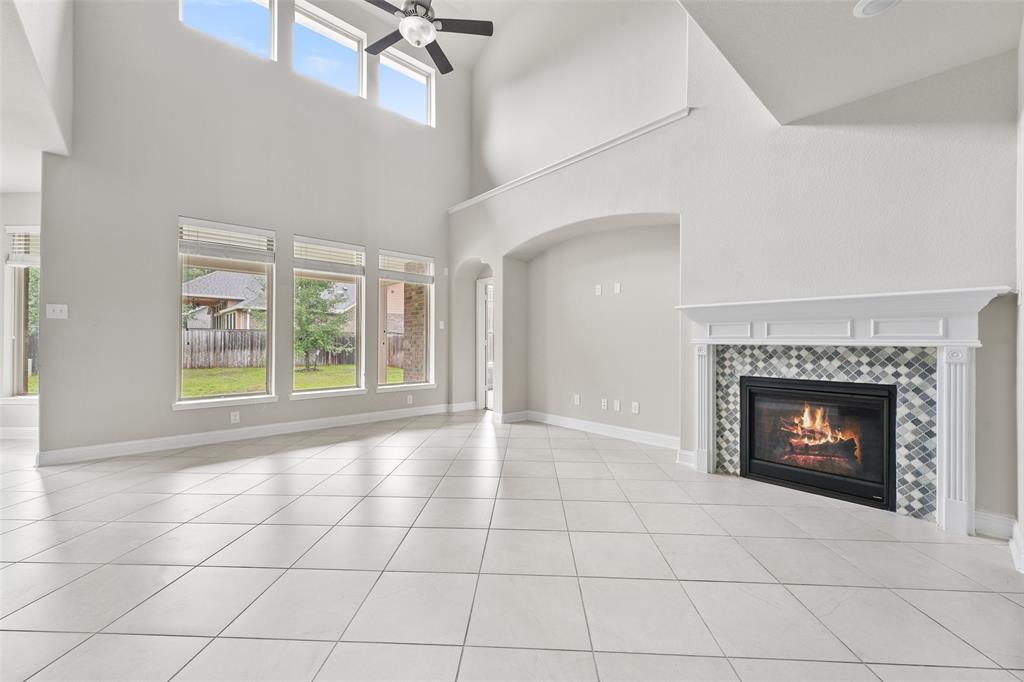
812,428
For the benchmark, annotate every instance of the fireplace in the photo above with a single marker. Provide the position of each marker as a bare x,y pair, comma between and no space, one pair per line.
828,437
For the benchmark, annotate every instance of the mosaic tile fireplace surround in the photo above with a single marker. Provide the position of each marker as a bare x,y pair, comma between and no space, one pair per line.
923,343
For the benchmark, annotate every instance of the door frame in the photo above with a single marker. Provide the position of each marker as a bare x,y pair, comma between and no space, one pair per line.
480,340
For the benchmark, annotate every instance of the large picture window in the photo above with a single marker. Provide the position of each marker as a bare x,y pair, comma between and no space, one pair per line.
248,24
405,331
23,261
227,295
327,49
327,335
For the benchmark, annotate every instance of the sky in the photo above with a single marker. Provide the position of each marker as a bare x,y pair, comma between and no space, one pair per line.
246,24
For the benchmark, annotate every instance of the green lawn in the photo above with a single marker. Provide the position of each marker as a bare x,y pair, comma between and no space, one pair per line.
203,383
33,383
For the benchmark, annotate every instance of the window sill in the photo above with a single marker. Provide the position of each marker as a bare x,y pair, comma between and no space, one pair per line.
398,388
330,393
223,402
19,400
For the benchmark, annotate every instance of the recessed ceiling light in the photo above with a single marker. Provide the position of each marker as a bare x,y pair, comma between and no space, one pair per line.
872,8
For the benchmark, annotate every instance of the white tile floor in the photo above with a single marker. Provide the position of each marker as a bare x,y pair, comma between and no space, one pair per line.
446,548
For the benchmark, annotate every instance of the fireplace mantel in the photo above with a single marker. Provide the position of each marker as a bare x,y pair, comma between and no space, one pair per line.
916,318
944,319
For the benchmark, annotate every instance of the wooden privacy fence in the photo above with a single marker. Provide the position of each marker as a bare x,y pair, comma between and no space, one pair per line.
394,349
211,348
208,348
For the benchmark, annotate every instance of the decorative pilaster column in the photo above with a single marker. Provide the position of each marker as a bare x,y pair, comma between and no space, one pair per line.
704,459
956,426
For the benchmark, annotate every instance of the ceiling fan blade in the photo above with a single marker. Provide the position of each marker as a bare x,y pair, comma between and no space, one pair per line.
470,26
385,5
384,43
437,54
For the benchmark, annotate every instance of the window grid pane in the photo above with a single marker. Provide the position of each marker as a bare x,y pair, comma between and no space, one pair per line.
326,54
404,332
413,265
327,330
404,89
242,23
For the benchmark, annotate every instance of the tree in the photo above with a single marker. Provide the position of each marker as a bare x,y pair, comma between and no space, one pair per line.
318,328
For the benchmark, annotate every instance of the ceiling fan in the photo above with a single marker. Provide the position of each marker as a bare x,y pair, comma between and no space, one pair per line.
420,27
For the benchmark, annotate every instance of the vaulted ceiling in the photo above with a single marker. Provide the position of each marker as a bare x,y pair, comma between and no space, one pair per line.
805,57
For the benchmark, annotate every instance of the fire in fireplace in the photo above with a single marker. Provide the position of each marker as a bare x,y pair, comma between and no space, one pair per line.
833,438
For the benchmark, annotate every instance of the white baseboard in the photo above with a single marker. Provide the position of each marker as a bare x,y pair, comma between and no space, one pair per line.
511,417
463,407
686,457
625,433
1017,546
19,432
993,525
191,440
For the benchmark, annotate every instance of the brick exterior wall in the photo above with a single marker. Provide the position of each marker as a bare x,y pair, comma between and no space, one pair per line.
414,341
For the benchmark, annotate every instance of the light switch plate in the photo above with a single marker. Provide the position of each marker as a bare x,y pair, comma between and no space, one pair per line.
618,287
636,408
575,398
597,290
616,405
604,403
441,324
56,311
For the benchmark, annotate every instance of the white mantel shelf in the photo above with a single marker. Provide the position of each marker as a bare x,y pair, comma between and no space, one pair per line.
915,318
946,319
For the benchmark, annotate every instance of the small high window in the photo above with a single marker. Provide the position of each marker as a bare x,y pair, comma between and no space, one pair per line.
406,86
405,332
227,310
327,336
327,49
248,24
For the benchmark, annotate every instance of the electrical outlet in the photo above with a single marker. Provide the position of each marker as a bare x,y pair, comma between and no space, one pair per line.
236,417
408,400
636,408
441,325
618,287
56,311
604,403
616,405
576,399
597,290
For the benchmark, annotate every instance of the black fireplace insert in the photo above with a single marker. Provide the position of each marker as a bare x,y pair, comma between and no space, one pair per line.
828,437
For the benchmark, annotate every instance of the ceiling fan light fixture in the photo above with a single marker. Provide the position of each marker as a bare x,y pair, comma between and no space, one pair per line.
417,30
866,9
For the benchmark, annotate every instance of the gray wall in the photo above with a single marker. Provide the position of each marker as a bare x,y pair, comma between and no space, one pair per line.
556,79
170,122
997,408
616,346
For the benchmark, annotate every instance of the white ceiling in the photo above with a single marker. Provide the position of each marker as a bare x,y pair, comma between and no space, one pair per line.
805,57
28,126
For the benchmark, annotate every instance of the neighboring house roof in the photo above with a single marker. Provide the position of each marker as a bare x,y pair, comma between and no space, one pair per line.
224,284
246,290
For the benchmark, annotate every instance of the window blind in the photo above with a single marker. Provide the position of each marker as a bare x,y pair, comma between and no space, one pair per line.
406,267
219,240
23,246
319,254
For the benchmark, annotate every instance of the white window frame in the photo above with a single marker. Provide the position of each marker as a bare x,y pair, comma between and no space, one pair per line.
328,270
270,262
270,5
331,27
399,276
417,70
